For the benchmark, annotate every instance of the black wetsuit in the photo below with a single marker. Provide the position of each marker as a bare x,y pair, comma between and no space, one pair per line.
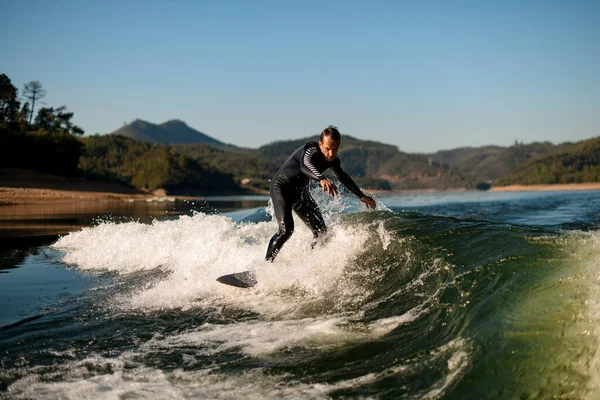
289,191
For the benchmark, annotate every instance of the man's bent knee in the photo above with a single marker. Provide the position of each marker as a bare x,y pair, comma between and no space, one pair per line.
285,234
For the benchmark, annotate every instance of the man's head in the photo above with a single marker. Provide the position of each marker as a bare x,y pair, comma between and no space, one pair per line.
329,143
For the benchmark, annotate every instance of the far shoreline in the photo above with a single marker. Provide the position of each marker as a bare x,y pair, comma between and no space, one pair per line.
558,187
19,187
23,187
548,188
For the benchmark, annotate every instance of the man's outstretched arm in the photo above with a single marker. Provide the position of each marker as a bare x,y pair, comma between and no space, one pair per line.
349,183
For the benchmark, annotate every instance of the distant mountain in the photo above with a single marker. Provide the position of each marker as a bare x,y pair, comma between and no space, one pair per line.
170,132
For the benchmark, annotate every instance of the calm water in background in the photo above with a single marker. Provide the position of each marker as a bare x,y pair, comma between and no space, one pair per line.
448,295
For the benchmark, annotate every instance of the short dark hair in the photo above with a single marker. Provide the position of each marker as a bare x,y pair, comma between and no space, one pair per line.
332,132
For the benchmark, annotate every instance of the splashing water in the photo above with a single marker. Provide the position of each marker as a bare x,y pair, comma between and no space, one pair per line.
390,304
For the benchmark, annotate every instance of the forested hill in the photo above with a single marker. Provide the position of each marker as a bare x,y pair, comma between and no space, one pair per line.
489,163
170,132
569,163
375,165
149,166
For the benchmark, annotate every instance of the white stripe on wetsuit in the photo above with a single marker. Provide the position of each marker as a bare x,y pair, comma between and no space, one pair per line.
308,164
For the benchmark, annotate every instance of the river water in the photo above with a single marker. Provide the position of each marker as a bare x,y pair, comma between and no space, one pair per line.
472,295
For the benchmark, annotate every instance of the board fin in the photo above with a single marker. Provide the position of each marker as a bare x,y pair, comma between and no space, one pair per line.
245,279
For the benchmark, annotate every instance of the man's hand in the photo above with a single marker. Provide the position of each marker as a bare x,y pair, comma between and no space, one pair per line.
329,187
369,202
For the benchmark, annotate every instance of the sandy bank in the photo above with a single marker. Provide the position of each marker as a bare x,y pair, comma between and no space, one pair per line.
29,187
547,188
510,188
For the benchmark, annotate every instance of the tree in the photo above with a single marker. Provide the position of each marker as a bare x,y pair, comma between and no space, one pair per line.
9,105
23,115
33,91
56,120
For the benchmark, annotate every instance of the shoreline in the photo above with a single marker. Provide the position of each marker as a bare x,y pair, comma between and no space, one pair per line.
22,187
20,196
557,187
18,187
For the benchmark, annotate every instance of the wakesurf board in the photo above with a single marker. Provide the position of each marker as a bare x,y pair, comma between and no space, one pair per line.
245,279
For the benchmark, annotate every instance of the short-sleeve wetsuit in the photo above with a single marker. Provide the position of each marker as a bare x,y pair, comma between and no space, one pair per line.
289,191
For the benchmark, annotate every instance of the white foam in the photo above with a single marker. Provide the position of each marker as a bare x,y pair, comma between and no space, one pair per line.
124,377
194,250
457,354
258,338
142,383
384,235
148,383
304,299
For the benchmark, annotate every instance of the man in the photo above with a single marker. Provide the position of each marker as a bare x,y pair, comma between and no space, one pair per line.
289,187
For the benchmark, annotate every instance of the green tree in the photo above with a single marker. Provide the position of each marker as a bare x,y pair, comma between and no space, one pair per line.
150,166
9,105
50,146
33,91
54,120
22,118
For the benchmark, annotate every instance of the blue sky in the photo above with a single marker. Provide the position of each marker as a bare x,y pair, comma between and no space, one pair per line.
422,75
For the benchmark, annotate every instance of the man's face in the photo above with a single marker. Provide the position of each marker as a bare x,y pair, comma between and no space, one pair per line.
329,148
